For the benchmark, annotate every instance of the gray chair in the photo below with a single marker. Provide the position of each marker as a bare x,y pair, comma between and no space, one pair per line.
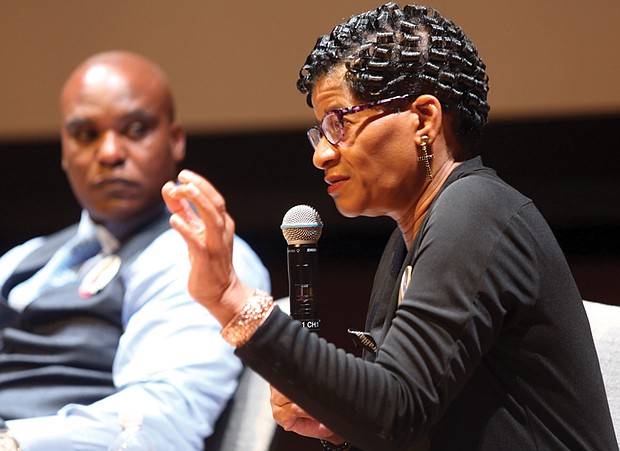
247,423
605,324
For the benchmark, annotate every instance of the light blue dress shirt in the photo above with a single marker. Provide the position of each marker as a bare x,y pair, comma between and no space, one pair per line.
171,361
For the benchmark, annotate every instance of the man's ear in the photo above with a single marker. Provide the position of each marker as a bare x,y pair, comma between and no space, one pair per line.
430,116
177,142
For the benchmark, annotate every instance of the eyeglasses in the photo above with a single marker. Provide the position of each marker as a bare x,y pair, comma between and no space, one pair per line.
332,124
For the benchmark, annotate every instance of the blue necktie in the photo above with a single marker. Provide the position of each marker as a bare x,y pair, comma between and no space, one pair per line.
66,269
61,269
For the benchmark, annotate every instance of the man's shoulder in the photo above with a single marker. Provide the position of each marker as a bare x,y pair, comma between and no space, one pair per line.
40,245
243,250
249,266
168,245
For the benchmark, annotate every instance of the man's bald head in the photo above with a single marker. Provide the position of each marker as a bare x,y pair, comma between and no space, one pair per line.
110,66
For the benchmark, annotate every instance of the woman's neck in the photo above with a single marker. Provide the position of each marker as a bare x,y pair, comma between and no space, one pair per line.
410,223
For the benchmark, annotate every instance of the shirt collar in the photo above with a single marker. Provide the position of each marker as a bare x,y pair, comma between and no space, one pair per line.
87,227
111,238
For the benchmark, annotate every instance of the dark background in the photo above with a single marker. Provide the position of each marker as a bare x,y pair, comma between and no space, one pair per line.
568,166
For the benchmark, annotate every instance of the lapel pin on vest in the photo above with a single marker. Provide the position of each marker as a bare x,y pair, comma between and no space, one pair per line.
99,276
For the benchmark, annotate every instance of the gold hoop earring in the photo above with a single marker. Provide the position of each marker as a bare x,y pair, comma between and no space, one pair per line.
426,157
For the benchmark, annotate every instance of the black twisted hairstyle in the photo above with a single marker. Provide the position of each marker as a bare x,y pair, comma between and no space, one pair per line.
391,51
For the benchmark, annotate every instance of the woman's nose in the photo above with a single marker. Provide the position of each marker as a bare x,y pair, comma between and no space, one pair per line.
324,154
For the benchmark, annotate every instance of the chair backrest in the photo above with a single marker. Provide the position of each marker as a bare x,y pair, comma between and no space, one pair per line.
605,324
247,423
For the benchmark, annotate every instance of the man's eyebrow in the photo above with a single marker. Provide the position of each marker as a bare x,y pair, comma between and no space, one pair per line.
75,123
139,114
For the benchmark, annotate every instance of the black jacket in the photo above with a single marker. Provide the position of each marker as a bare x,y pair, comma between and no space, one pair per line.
490,348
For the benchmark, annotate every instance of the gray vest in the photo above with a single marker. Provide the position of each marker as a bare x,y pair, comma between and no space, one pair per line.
61,348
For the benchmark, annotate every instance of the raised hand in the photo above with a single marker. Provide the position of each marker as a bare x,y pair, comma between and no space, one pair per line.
199,215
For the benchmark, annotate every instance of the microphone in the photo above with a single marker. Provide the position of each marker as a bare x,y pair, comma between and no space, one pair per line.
302,227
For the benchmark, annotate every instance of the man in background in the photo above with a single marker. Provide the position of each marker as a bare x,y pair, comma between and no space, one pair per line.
96,319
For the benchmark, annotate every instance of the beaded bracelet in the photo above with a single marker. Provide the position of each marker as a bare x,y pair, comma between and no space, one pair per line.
329,446
241,328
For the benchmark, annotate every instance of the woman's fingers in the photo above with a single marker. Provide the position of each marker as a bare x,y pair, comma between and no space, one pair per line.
208,202
293,418
183,219
209,209
199,215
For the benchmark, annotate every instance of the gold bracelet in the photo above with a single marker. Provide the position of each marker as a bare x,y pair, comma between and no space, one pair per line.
241,328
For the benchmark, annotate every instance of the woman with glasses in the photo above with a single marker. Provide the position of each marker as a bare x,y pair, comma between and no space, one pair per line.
478,334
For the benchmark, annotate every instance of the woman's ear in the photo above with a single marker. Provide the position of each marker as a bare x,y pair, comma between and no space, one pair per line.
430,117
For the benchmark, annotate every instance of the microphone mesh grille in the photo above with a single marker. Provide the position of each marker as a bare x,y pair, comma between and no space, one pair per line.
302,225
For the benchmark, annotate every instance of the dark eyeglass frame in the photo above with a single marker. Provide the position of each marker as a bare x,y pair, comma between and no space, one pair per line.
317,132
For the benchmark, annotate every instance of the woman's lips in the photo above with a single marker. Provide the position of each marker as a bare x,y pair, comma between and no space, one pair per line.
335,184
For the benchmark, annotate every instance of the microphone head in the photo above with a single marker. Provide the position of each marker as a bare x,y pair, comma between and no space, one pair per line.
302,225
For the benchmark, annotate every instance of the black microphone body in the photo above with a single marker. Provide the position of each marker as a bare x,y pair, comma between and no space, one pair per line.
302,227
303,269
